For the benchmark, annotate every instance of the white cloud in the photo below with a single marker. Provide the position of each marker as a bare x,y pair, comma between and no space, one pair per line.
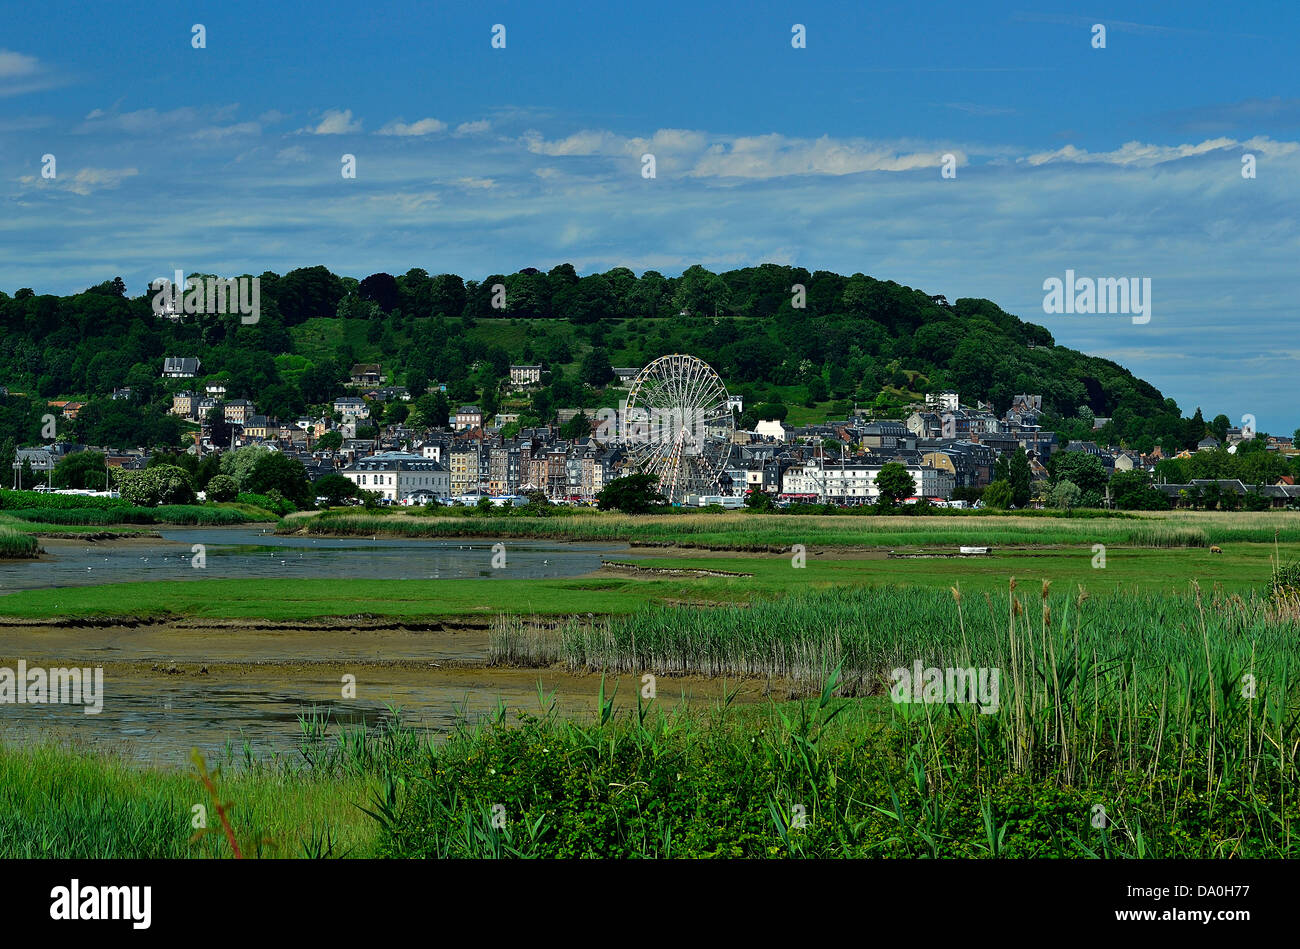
13,65
20,73
695,154
293,153
468,182
422,127
84,181
586,142
334,122
473,128
1130,153
775,156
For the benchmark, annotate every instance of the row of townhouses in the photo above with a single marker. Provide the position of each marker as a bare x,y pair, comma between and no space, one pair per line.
942,444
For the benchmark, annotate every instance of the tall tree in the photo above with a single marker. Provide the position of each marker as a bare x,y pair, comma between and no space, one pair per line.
1020,477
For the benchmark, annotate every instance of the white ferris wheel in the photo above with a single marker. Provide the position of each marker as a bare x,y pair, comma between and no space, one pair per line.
679,425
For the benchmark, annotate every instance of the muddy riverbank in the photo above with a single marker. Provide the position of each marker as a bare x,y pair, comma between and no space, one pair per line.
171,686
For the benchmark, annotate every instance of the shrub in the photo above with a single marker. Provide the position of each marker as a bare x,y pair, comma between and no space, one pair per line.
275,502
998,495
222,488
164,484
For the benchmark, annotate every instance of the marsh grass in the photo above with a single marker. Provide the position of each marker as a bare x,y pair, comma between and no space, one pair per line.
17,544
524,642
769,532
57,802
1184,762
1163,535
1178,716
1142,727
869,631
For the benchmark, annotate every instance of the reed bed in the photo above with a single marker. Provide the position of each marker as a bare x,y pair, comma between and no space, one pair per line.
1157,726
869,631
15,544
524,643
767,532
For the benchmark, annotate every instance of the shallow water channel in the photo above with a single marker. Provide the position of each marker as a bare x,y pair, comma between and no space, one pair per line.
170,686
243,552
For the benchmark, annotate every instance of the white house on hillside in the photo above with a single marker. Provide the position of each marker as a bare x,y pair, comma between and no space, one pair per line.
352,408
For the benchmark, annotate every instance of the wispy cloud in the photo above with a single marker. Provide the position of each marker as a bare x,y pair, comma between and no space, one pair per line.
26,123
697,154
974,108
334,122
141,120
1126,26
84,181
1144,155
217,133
422,127
1227,116
21,73
17,65
775,156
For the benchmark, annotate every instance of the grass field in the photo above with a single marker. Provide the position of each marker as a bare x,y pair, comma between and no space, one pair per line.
1242,568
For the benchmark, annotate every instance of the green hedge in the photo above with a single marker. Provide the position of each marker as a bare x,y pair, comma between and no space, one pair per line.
33,500
182,514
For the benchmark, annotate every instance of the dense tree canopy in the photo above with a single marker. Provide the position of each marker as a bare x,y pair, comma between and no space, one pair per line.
777,335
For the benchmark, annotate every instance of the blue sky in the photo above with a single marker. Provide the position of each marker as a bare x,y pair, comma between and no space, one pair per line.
1115,162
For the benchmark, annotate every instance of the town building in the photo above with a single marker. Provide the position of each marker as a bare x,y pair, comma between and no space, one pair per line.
180,367
352,408
468,416
524,377
400,476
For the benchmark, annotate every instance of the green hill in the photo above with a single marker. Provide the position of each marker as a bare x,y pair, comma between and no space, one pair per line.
816,351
